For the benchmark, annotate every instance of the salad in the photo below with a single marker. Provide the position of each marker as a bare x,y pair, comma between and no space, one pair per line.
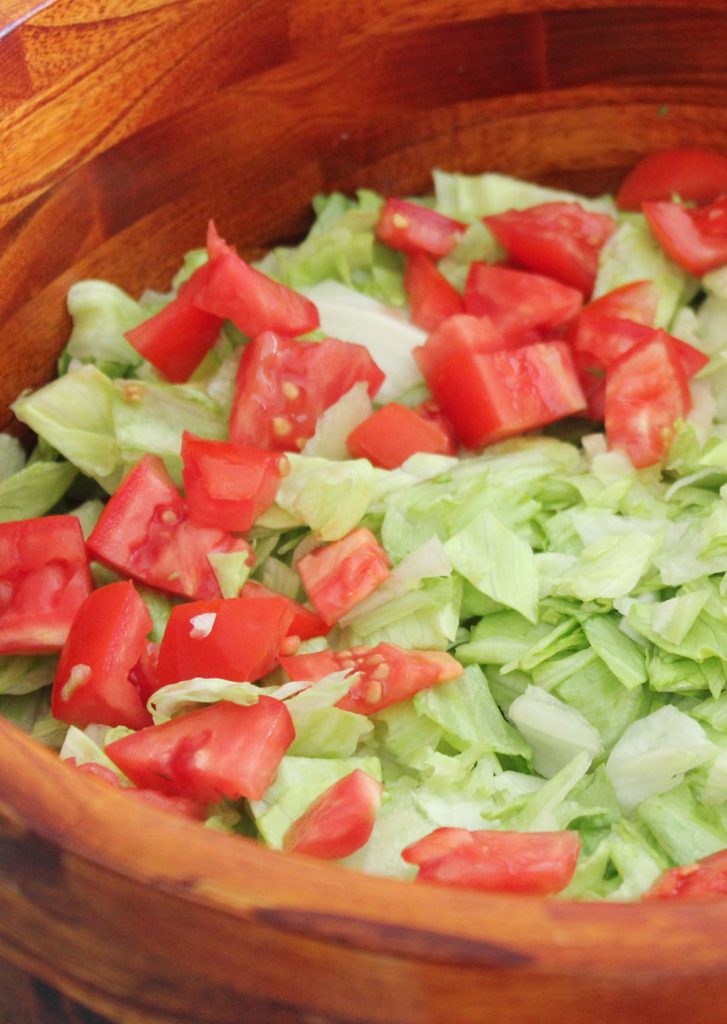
405,547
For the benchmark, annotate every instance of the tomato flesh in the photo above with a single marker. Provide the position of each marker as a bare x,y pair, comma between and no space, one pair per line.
393,434
519,302
460,333
304,623
177,804
432,299
340,821
695,239
336,577
693,174
412,228
703,880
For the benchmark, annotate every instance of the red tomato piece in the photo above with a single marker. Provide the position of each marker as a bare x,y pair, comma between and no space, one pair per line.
235,638
412,228
228,485
216,245
340,821
44,579
388,674
223,750
176,339
394,433
283,386
459,333
145,532
693,174
339,575
695,239
145,674
637,301
601,340
532,863
431,412
491,396
304,624
96,771
432,298
592,380
702,880
518,301
646,393
106,640
178,804
561,240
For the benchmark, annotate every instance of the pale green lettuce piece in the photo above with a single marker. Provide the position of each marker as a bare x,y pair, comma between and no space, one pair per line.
713,711
471,196
329,497
685,830
12,456
668,621
714,789
609,568
102,313
477,243
400,823
34,489
501,638
638,862
175,698
337,422
622,656
231,569
406,734
669,673
554,731
599,696
424,618
546,810
278,576
88,514
20,673
87,747
193,260
328,732
589,882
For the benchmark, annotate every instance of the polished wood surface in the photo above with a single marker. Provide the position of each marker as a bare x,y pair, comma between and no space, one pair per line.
125,124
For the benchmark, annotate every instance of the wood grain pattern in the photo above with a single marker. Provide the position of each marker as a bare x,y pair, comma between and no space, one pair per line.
125,124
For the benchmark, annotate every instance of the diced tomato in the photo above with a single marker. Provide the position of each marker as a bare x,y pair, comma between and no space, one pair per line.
235,638
394,433
637,301
178,804
96,771
432,298
533,863
228,485
646,393
431,412
605,338
336,577
561,240
145,532
233,290
216,245
44,579
283,386
459,333
694,174
223,750
340,821
592,380
703,880
412,228
177,339
519,302
388,674
106,640
144,675
491,396
304,624
695,239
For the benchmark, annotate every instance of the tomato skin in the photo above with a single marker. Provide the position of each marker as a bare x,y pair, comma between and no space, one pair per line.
336,577
92,682
462,332
283,386
519,301
646,392
703,880
412,228
145,532
44,579
239,640
433,414
534,863
222,750
339,821
690,173
178,804
637,301
604,339
432,299
560,240
695,239
304,623
392,434
228,485
388,674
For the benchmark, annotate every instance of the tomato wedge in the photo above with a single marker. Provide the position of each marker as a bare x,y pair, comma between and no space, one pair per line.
387,674
336,577
695,239
460,333
283,386
106,640
228,485
693,174
340,821
412,228
235,638
432,298
177,804
304,623
646,393
561,240
223,750
394,433
703,880
145,532
532,863
44,579
603,339
519,302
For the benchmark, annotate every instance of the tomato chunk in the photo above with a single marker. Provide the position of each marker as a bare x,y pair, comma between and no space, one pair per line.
703,880
603,339
336,577
518,301
177,804
387,674
235,638
432,298
695,239
534,863
228,485
394,433
223,750
177,339
491,396
460,333
106,640
646,392
304,624
44,579
690,173
561,240
340,821
283,386
145,532
412,228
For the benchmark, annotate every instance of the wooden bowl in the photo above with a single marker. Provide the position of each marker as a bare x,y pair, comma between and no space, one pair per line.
126,124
